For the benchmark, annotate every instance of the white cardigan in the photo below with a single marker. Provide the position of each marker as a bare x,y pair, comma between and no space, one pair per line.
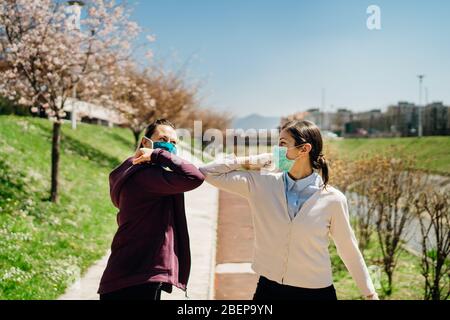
294,252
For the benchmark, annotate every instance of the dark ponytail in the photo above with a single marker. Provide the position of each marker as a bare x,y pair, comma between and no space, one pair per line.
322,165
304,131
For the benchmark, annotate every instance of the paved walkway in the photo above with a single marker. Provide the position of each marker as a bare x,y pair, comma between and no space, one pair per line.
201,211
234,278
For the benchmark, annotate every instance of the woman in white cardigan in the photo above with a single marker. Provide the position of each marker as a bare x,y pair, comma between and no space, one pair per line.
294,214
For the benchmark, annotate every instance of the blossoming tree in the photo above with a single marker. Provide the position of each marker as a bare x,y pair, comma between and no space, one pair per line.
45,56
143,96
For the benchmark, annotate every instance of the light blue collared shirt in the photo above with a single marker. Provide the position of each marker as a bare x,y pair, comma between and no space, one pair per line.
298,192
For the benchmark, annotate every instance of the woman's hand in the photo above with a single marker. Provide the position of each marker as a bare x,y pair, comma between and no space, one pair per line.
143,155
257,162
373,297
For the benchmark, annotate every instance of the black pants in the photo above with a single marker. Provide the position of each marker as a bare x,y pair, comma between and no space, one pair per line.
146,291
271,290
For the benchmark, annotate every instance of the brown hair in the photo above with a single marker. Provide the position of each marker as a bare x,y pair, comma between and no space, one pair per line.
152,127
304,131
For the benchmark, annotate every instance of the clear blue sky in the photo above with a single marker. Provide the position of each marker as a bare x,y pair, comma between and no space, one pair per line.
274,57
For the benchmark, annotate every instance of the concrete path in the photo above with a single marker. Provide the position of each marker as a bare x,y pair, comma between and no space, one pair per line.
201,211
86,287
235,280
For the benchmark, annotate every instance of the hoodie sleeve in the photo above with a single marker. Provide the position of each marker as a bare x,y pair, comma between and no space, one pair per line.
184,176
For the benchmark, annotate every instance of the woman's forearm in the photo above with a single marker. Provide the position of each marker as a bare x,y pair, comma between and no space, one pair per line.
226,165
231,175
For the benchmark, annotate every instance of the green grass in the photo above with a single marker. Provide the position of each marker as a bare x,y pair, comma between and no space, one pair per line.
408,282
44,246
431,153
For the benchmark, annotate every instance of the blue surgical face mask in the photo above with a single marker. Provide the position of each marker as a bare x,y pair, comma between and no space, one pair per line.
170,147
280,158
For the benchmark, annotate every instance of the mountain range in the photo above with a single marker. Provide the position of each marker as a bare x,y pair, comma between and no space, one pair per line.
256,121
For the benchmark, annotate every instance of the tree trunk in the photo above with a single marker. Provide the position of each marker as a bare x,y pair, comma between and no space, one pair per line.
388,291
55,160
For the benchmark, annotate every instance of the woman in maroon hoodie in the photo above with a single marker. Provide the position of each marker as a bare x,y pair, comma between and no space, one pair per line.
150,251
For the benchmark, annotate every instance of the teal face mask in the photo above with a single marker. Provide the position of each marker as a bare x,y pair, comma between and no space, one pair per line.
280,158
170,147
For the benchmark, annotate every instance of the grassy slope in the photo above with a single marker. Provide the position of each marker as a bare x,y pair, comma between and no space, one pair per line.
431,153
43,246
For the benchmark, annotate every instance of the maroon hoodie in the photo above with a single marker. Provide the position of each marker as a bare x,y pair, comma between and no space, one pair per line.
152,241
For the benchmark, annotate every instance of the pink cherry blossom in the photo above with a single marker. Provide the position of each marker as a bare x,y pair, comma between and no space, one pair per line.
44,58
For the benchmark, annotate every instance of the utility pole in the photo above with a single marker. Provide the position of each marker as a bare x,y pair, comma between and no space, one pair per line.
420,129
322,111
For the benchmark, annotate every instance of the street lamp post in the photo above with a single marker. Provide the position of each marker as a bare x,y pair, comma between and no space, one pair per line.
74,10
420,129
322,113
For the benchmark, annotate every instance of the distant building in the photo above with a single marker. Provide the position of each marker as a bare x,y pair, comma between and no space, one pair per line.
342,122
436,119
292,117
315,116
372,121
403,119
91,113
400,120
324,120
